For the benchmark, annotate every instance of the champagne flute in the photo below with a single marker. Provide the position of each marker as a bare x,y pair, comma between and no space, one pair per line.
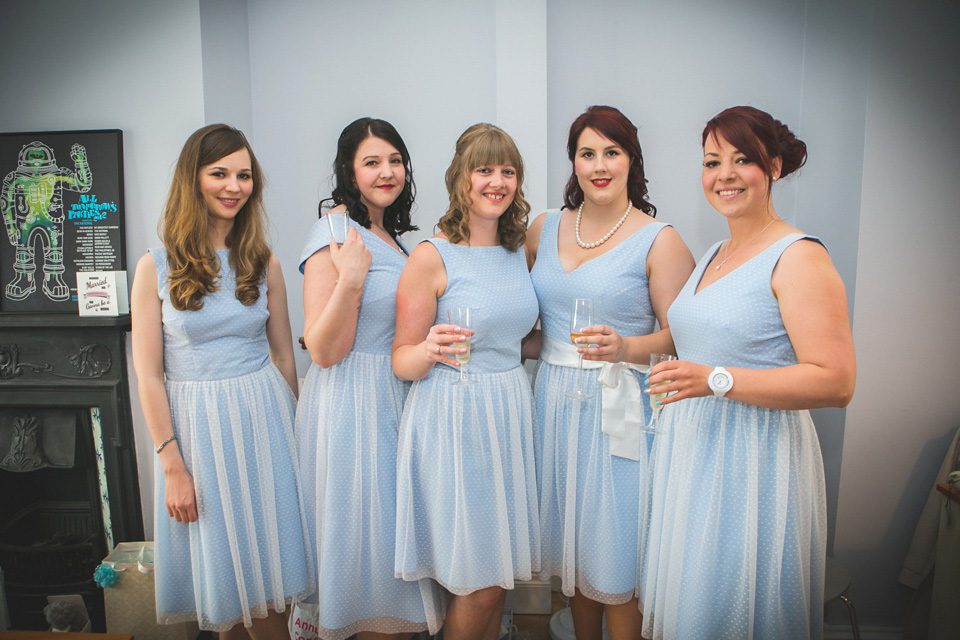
582,317
655,398
463,318
338,227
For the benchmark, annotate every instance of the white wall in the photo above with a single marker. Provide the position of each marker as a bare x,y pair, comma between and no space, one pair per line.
871,86
908,297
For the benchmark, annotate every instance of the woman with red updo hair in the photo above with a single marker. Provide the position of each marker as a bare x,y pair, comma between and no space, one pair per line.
605,245
737,537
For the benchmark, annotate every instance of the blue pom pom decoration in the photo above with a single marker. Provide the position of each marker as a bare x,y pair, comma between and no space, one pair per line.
105,576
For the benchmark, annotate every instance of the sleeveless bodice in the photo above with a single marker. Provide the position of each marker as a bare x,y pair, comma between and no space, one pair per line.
495,283
736,320
376,318
615,280
223,339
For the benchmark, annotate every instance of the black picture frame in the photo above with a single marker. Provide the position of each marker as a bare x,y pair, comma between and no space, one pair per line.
63,212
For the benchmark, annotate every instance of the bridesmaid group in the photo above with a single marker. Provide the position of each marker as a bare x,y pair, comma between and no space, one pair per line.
421,474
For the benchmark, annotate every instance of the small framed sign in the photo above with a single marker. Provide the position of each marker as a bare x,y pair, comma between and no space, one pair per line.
102,293
63,213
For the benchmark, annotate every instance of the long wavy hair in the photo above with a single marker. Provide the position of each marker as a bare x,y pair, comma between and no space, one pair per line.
483,144
612,124
396,217
185,226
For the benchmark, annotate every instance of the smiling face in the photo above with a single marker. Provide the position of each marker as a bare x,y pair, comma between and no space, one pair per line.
492,188
733,183
226,184
602,168
379,174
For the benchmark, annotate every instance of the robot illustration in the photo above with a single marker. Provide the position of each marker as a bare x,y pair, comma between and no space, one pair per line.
32,205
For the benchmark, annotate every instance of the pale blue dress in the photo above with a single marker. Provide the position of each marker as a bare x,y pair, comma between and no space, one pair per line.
738,528
589,499
466,484
233,417
346,430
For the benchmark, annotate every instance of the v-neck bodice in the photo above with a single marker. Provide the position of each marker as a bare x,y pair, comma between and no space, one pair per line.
615,280
734,321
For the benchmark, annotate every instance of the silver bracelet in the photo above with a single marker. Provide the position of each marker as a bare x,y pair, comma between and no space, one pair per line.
165,443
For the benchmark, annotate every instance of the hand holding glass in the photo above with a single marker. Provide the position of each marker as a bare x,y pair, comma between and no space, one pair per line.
655,398
582,317
462,317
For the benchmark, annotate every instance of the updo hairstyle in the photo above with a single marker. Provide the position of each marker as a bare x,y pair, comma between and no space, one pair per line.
760,137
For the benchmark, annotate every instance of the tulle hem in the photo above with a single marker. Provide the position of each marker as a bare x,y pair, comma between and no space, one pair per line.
426,573
256,613
585,588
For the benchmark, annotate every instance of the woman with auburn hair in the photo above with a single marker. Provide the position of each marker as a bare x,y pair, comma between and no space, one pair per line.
605,245
351,402
214,360
466,485
738,527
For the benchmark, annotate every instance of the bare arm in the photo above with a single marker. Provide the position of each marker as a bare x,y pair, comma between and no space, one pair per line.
333,281
278,325
669,265
418,344
813,305
147,338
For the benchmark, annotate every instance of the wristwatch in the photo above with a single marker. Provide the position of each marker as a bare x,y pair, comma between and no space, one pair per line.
720,381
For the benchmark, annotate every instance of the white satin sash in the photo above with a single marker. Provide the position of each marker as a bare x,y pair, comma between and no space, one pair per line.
621,416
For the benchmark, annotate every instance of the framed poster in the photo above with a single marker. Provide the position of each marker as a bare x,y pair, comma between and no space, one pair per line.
62,210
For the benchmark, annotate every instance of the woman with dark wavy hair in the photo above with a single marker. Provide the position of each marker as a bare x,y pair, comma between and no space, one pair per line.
466,494
351,401
738,524
604,245
214,361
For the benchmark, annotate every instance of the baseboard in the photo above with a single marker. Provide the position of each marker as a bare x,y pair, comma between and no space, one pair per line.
843,632
529,596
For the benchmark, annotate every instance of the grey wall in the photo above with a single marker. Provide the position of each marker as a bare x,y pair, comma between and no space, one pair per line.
870,86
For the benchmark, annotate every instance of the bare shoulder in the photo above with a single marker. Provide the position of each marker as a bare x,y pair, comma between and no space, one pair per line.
805,266
425,255
146,273
805,252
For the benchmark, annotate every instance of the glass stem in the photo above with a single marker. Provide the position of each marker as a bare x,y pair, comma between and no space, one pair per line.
579,373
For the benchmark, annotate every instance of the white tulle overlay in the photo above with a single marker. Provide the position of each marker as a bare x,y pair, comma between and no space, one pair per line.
590,501
350,412
737,531
466,488
244,556
740,487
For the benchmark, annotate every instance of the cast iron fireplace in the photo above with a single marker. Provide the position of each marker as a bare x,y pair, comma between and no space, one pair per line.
68,474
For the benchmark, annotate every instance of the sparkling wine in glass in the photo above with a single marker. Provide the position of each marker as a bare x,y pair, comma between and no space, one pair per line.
581,317
463,318
655,398
338,227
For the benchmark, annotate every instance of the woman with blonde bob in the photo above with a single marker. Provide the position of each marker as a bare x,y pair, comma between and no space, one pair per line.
466,494
214,360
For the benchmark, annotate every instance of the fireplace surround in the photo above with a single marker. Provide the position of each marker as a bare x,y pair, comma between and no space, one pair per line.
68,473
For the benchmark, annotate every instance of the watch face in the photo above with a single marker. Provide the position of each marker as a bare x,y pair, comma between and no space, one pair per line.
720,381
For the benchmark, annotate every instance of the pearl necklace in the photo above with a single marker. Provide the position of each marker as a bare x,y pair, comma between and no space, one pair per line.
727,257
591,245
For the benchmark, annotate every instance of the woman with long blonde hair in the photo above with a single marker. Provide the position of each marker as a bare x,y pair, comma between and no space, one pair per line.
214,360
